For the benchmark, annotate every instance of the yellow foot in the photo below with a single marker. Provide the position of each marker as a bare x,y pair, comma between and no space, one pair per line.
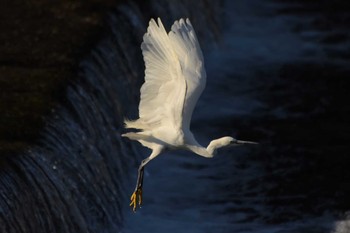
136,198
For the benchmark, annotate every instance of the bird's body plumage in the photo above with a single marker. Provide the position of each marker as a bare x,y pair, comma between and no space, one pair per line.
174,79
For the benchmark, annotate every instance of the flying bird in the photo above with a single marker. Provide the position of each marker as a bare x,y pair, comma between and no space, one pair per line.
174,79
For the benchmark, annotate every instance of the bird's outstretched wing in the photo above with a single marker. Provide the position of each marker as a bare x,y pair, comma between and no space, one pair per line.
174,76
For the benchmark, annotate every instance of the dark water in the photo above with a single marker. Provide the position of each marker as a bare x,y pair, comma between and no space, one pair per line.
277,74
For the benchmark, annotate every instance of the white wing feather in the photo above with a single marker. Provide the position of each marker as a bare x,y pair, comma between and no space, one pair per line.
186,46
174,77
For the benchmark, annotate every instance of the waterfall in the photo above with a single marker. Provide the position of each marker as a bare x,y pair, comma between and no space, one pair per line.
75,180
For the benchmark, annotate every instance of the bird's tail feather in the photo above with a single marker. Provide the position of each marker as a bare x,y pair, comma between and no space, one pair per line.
136,124
135,136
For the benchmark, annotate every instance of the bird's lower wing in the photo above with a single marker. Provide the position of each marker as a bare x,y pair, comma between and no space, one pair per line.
163,93
174,76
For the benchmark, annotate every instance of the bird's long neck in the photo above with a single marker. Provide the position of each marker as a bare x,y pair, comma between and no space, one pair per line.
200,150
208,152
214,145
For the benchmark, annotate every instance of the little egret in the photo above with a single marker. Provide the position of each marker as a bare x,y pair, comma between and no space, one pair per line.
174,79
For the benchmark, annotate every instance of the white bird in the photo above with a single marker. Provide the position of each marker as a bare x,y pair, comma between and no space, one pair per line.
174,79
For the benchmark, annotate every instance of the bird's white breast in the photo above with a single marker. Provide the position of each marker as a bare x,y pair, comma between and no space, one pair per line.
172,138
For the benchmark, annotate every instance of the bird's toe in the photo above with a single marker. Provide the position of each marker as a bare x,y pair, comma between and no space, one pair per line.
136,199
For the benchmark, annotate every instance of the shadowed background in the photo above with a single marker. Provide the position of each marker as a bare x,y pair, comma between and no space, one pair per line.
277,74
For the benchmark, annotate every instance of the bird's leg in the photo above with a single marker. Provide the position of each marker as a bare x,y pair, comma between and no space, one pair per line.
136,197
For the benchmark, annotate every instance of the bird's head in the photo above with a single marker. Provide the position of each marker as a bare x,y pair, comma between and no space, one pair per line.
230,141
226,141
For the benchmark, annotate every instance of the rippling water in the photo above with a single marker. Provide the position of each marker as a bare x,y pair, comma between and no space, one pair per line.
268,80
276,74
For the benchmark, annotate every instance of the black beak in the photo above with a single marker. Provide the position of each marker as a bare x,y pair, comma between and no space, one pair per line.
240,142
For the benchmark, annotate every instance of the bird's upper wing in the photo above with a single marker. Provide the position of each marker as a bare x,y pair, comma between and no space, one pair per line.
174,75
